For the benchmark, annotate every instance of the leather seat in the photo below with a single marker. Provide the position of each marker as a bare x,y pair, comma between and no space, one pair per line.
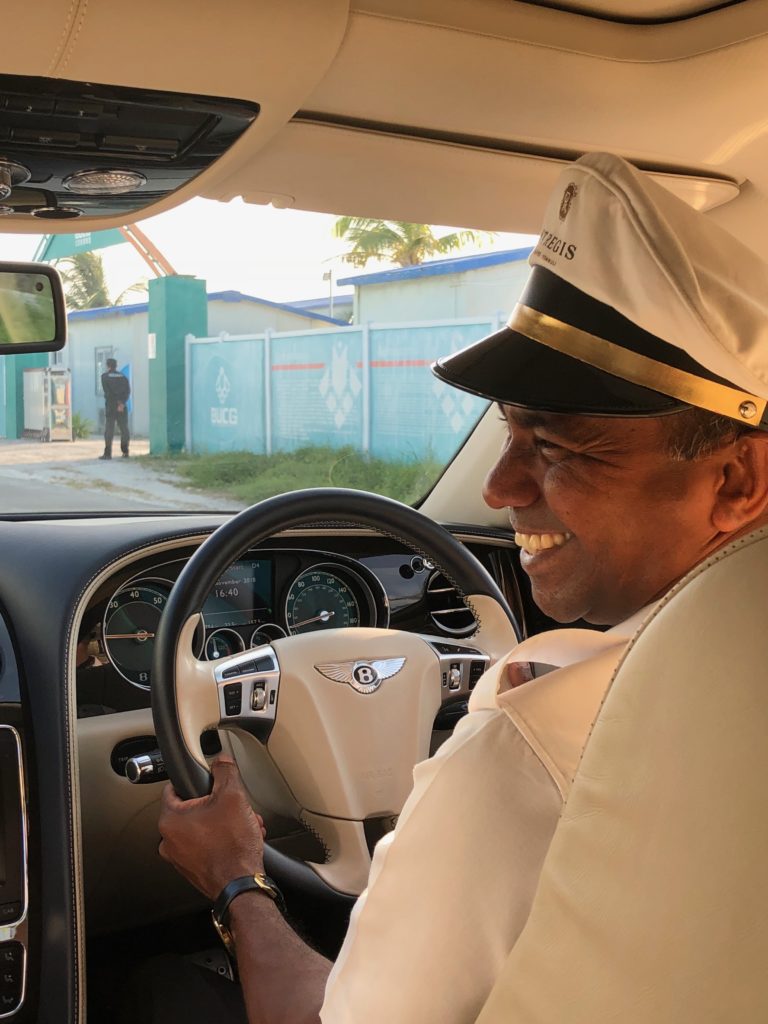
652,907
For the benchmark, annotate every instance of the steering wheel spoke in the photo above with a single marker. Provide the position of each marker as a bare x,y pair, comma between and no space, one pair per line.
460,666
247,684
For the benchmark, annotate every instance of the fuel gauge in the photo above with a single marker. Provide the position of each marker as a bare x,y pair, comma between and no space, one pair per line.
223,642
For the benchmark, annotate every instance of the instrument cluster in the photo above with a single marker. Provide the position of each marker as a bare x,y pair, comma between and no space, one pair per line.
263,596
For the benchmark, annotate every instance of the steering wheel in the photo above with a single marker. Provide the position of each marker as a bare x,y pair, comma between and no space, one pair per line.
344,713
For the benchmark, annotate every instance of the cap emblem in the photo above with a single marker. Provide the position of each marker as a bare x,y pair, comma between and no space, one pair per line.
571,191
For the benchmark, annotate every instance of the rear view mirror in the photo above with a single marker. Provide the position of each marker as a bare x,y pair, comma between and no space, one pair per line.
32,313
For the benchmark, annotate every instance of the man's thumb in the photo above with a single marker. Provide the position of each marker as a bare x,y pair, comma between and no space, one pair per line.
225,773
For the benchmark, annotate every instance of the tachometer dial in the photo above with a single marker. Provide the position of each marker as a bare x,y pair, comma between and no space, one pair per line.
130,624
320,599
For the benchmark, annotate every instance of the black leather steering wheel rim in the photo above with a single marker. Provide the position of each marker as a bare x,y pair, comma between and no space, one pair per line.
317,506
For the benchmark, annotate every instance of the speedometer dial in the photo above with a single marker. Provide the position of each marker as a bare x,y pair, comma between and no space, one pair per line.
130,624
320,599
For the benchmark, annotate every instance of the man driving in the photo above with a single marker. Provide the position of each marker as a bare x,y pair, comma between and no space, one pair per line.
632,379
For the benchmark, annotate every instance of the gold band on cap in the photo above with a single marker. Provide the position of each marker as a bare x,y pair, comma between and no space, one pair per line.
636,368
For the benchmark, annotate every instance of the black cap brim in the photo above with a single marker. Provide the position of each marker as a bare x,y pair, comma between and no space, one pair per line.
513,369
509,368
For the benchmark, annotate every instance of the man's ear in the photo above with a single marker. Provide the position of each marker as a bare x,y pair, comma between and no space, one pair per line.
742,494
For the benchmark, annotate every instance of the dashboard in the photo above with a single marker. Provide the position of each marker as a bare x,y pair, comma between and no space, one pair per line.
296,585
262,597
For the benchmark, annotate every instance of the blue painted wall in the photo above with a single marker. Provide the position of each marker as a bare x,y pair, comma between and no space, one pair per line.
316,382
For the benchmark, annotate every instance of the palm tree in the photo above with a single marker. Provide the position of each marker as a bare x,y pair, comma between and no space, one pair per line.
397,241
85,282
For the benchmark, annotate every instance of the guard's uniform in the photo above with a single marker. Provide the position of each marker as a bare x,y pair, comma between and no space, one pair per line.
117,391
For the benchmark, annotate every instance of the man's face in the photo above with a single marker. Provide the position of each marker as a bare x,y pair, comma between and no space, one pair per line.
608,521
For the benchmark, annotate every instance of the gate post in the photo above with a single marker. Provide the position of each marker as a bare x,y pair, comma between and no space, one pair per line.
178,306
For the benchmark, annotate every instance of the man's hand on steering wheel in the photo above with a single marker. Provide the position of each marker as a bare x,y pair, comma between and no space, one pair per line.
213,839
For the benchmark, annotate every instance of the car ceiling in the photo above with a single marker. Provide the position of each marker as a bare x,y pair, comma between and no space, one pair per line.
451,112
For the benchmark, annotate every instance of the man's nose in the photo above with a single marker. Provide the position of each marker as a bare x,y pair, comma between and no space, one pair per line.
511,483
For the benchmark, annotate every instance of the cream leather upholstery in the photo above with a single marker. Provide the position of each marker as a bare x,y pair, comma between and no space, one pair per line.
652,905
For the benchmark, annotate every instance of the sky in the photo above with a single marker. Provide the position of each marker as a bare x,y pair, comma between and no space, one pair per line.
274,254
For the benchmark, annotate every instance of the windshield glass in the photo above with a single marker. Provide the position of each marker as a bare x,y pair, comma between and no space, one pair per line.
219,354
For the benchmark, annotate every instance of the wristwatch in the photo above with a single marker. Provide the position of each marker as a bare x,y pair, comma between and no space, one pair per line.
247,883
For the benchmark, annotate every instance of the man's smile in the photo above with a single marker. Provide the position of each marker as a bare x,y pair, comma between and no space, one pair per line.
532,543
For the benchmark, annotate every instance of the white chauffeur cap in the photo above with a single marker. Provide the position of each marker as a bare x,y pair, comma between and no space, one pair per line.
637,305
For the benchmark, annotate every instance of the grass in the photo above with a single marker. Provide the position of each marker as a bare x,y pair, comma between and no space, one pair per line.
249,478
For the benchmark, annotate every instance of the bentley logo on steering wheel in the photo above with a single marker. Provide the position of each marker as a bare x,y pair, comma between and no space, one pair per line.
363,676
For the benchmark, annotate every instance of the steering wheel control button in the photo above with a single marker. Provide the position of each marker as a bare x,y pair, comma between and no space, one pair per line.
253,698
9,912
11,953
233,699
460,667
11,976
444,648
248,668
476,668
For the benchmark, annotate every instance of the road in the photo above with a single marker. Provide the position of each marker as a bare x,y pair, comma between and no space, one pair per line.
65,476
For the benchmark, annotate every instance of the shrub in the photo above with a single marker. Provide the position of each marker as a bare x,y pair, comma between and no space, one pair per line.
81,427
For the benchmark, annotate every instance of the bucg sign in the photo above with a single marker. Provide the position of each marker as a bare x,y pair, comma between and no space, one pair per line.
223,413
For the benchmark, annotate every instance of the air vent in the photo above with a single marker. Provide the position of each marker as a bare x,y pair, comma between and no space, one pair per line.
446,607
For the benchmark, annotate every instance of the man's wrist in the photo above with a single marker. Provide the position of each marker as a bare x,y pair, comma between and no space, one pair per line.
249,906
258,883
239,903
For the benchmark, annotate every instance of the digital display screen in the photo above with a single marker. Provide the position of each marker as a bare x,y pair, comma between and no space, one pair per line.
242,596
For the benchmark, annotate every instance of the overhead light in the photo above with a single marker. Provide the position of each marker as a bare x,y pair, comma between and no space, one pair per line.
11,174
104,182
57,212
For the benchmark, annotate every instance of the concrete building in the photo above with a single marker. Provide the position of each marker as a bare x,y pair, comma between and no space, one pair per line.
467,286
340,309
121,332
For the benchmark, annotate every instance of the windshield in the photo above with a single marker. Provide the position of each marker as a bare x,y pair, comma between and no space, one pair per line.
219,354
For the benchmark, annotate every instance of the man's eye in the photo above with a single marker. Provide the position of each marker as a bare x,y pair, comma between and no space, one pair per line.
549,449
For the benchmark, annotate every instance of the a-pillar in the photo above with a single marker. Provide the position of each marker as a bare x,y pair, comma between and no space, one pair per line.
178,306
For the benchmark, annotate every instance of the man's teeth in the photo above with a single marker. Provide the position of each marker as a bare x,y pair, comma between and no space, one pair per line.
533,542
